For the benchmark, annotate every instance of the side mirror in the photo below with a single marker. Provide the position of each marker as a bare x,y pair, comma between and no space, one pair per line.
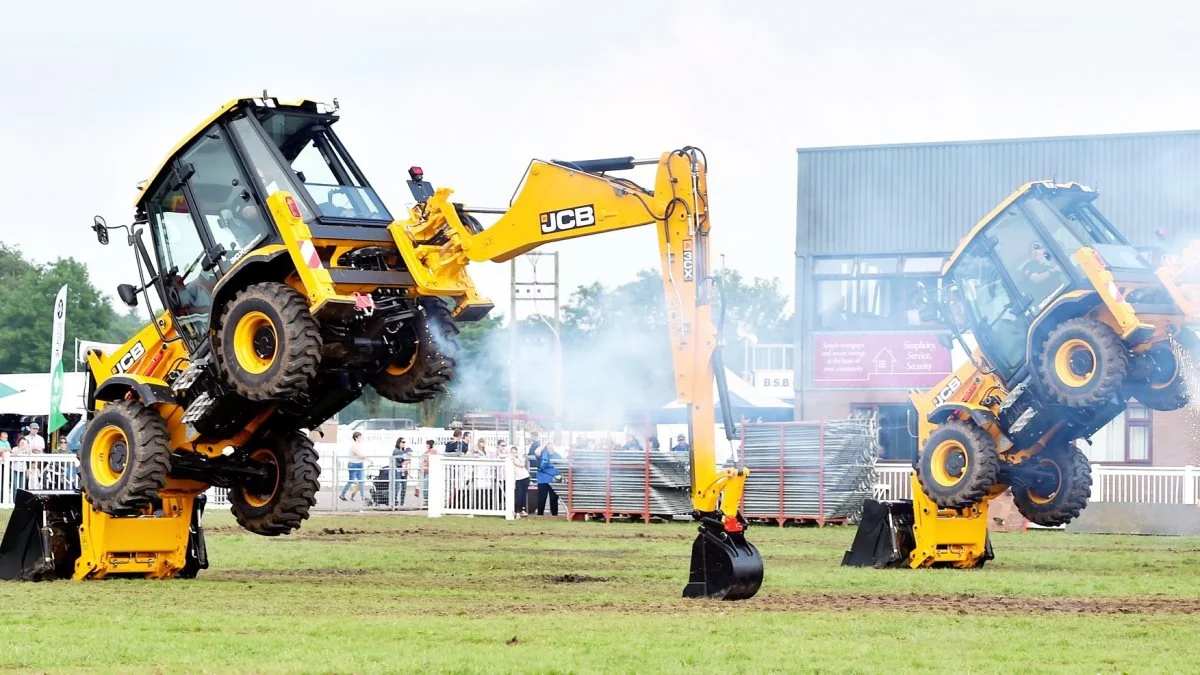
945,341
128,294
101,230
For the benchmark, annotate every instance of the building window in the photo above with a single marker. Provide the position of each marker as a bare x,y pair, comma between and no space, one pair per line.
1137,434
1127,439
876,292
897,429
773,357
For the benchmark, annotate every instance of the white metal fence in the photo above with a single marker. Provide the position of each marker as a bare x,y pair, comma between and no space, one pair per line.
1113,484
474,486
55,473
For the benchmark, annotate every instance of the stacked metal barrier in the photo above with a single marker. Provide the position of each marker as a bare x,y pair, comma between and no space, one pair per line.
809,471
626,483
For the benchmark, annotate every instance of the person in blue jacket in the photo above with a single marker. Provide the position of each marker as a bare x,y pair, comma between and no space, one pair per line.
547,474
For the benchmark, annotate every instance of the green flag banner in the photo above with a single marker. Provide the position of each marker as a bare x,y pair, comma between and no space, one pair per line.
57,420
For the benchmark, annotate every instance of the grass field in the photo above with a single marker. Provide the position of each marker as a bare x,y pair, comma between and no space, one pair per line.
357,593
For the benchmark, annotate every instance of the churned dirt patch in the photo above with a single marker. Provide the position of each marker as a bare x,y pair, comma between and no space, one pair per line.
964,604
976,604
573,579
313,573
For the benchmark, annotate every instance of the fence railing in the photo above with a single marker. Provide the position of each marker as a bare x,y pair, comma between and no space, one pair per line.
57,473
1111,484
484,486
473,486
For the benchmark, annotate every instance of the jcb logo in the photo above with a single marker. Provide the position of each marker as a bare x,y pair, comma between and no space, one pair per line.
689,261
126,362
568,219
947,391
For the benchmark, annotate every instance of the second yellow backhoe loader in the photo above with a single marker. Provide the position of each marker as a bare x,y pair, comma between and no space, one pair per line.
287,287
1070,322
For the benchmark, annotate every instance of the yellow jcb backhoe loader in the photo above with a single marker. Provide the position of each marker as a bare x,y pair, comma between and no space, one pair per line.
287,286
1070,322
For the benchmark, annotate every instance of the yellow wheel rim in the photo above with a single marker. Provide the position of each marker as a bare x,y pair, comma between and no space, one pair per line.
109,456
255,342
1158,386
402,368
1040,499
939,463
1075,363
261,500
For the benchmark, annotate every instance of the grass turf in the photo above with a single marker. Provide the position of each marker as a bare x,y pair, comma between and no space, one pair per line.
355,593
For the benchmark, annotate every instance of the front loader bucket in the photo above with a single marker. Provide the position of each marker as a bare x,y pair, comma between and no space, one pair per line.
885,535
724,565
42,539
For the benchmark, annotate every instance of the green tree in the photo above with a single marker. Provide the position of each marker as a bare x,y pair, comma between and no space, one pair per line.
27,293
757,307
128,324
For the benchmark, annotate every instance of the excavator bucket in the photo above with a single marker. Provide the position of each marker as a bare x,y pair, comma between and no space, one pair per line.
885,535
42,539
724,565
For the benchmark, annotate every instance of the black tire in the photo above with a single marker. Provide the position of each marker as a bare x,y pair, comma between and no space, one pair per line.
293,464
959,465
1082,363
425,364
268,345
125,458
1054,487
1169,385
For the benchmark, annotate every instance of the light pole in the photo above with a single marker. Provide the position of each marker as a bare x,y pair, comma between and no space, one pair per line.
558,378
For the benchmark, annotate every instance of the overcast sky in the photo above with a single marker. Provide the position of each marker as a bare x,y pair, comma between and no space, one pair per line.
95,94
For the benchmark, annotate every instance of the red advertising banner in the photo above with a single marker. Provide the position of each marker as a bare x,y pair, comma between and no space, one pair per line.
879,360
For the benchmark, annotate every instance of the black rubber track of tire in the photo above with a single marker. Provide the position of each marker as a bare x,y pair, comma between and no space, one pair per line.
302,368
1167,399
1078,476
975,491
1109,350
434,369
297,493
150,473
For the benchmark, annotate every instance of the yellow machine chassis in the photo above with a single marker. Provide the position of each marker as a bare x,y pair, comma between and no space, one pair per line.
952,537
152,545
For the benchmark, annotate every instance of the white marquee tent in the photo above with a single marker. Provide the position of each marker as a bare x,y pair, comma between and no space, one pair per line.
33,393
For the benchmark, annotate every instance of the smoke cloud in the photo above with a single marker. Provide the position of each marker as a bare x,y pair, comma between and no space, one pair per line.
611,378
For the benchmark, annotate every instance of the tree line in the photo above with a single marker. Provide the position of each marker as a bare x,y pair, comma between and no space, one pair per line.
27,291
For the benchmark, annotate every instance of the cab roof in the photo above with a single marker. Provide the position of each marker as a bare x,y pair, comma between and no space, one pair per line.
304,104
1008,201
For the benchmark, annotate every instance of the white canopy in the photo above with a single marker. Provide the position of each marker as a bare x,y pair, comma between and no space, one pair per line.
33,394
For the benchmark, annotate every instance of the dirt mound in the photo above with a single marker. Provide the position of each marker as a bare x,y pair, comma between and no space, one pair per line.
574,579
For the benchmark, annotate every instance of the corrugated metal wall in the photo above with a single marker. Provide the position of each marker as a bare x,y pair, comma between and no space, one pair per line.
916,198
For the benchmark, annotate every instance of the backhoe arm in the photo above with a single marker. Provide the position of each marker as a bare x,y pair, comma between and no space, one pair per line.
565,200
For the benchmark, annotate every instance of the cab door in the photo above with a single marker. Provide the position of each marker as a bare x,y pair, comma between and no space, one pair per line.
203,217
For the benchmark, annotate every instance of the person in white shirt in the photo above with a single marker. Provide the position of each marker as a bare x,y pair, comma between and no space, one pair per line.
521,471
37,444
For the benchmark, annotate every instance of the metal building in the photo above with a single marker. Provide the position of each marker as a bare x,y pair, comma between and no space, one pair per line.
874,224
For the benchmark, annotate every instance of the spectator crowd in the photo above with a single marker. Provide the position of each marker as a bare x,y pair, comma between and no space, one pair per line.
536,463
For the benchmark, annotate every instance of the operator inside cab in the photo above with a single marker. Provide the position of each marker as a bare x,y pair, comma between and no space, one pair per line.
1041,277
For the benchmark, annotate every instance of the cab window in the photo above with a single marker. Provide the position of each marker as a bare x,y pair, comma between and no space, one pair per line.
317,161
180,253
983,304
1023,253
223,196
